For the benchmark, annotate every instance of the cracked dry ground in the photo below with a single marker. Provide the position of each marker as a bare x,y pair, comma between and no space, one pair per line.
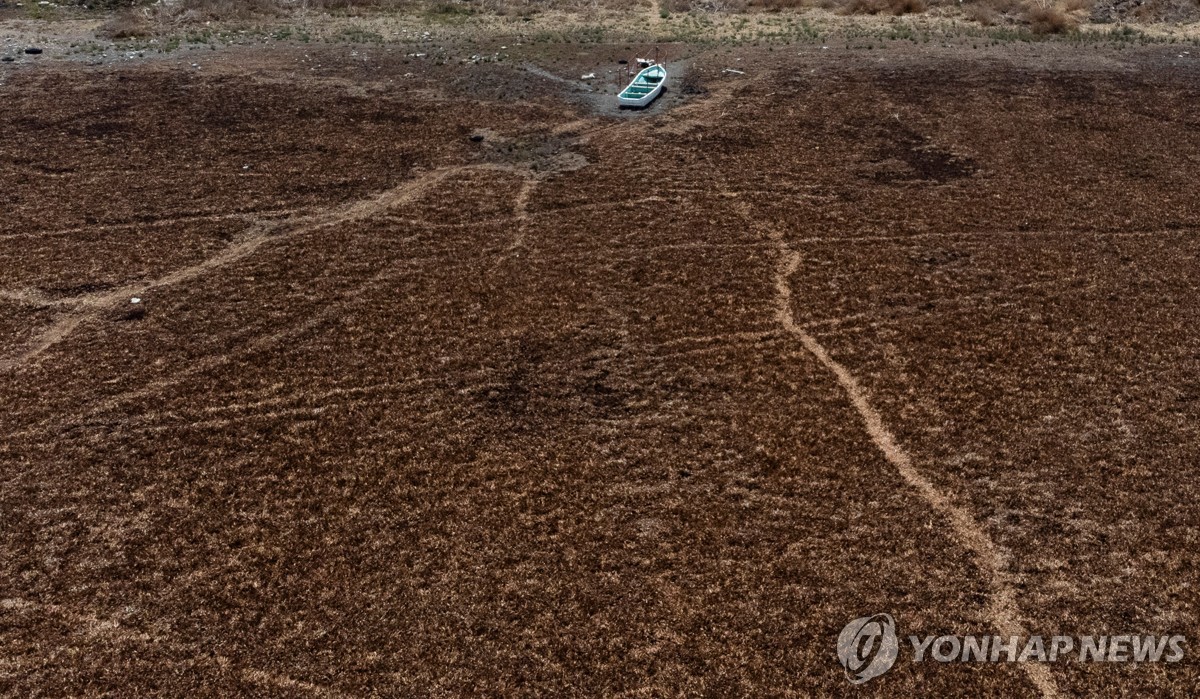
425,416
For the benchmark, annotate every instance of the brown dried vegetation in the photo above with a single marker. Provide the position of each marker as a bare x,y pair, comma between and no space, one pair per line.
874,7
460,427
128,23
1046,17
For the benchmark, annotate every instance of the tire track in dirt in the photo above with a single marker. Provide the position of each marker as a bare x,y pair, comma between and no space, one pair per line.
243,406
497,220
87,306
1003,610
366,208
520,219
32,297
251,241
166,220
981,236
278,407
940,305
257,344
993,561
246,245
108,630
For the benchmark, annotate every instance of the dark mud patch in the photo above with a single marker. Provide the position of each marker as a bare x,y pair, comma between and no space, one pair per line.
503,83
546,382
904,155
540,152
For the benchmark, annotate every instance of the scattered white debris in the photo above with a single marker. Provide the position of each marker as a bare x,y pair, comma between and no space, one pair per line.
589,76
135,300
245,167
735,72
644,62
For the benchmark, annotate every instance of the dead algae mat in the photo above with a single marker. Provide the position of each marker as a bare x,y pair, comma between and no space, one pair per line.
443,384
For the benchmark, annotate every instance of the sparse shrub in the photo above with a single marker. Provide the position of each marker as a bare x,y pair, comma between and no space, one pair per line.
691,85
359,35
705,6
1045,17
102,4
905,7
129,23
1167,11
206,10
982,12
875,7
449,12
778,5
852,7
861,7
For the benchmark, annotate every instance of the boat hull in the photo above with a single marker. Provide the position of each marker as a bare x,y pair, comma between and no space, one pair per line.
644,89
643,100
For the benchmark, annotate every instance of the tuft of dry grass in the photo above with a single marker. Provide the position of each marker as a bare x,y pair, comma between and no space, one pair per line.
1167,11
876,7
723,6
126,24
906,7
1042,16
982,12
194,11
1045,17
779,5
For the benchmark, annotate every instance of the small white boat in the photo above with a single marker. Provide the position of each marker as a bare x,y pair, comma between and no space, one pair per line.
647,86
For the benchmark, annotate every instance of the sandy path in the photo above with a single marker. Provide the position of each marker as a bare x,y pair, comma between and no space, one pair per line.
1002,611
